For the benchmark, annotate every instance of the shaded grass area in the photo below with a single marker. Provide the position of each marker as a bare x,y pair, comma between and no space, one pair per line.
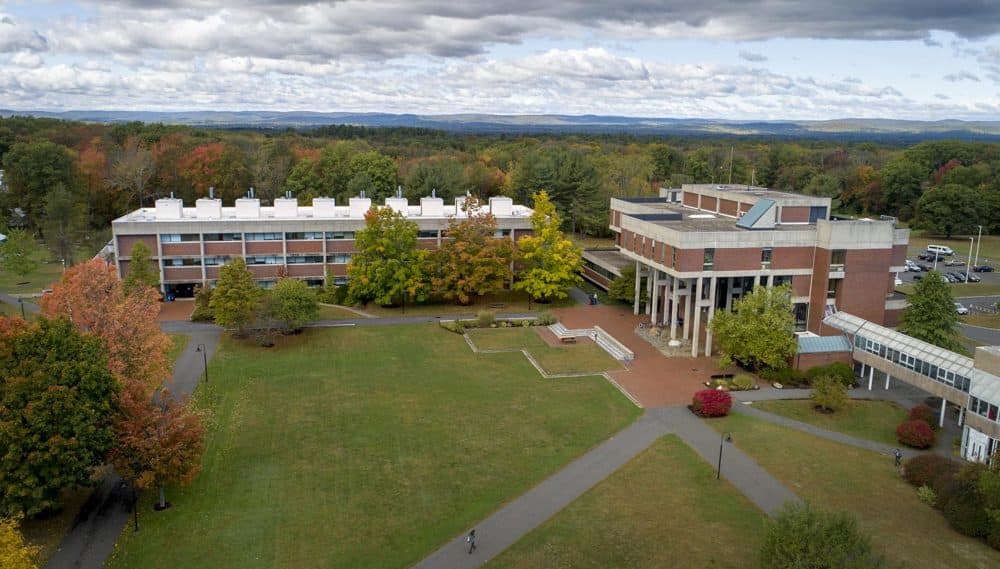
864,483
180,341
47,533
365,447
662,509
574,358
511,301
867,419
332,312
983,320
47,272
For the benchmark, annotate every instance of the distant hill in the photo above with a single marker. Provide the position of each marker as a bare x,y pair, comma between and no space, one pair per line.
847,128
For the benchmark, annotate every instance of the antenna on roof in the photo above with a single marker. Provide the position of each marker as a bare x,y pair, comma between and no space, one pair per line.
434,192
171,195
362,194
250,193
211,192
399,191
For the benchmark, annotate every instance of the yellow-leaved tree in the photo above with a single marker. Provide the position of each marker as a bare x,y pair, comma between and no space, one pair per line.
551,263
14,552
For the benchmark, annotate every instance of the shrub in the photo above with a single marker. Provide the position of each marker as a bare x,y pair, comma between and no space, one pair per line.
927,495
916,434
545,319
455,326
925,414
838,370
743,382
787,376
829,394
526,323
486,318
712,403
962,504
924,469
801,536
202,305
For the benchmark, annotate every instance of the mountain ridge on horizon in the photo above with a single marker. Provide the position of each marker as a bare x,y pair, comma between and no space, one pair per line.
486,123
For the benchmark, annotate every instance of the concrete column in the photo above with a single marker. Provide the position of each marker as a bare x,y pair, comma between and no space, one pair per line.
654,298
673,308
944,405
729,294
696,303
756,281
638,288
961,416
711,314
887,378
871,376
159,261
201,242
650,279
688,312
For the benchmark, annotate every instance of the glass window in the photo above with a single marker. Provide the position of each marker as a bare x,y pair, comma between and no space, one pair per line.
340,235
303,259
673,256
501,233
183,262
303,235
264,260
709,260
837,258
215,261
223,237
340,281
429,235
339,258
272,236
179,237
765,256
831,288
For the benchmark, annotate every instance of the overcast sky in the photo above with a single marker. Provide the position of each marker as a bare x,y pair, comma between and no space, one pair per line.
770,59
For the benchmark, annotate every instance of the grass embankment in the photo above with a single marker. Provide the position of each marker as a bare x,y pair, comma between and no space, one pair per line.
663,509
501,301
864,483
872,420
365,447
981,320
585,357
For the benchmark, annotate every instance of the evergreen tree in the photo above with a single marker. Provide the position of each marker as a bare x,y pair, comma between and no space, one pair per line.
552,263
931,316
236,296
141,274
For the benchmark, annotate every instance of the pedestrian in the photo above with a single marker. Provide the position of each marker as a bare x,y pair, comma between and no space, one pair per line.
471,539
898,455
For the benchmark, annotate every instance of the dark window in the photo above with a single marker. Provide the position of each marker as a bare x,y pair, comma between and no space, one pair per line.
303,259
339,258
184,262
709,261
427,234
264,260
837,258
179,237
340,235
223,237
304,235
831,288
271,236
765,256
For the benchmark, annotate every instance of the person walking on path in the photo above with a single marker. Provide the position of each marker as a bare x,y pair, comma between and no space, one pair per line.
471,538
898,455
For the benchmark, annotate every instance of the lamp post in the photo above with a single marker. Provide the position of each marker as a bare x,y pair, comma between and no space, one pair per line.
204,358
723,439
979,243
968,269
21,302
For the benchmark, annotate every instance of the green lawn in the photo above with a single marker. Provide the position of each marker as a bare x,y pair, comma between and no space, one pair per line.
365,447
663,509
179,342
961,290
980,319
574,358
839,477
331,312
47,272
512,301
866,419
989,248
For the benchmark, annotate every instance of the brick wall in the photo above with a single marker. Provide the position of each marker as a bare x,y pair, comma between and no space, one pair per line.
791,257
806,362
690,259
737,259
795,214
264,248
224,248
304,246
865,284
727,207
126,242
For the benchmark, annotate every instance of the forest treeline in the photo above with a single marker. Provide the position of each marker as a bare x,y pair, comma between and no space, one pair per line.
66,180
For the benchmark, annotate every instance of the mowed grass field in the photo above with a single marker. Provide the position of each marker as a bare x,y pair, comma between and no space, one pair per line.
834,476
663,509
365,447
867,419
585,357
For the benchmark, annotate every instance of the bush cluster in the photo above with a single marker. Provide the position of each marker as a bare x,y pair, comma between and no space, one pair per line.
712,403
802,536
923,470
925,414
968,495
546,319
916,434
838,370
202,309
786,376
742,382
829,394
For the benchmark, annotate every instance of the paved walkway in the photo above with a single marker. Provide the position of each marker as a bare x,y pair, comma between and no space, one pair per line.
515,520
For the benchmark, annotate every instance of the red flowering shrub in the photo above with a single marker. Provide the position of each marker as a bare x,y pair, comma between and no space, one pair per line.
916,434
712,403
925,414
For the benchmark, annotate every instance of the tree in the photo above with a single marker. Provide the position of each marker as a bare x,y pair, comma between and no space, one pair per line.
802,536
141,274
552,263
471,261
931,316
64,223
293,303
380,171
18,252
91,296
14,552
445,175
388,266
902,183
156,443
622,287
989,489
758,332
950,209
31,170
829,394
56,403
236,296
132,168
216,165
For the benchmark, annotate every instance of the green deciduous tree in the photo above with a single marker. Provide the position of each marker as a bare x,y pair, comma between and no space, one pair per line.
141,274
829,394
31,170
65,221
950,209
471,260
18,252
57,398
622,287
236,296
380,170
759,331
801,536
902,184
551,262
931,315
388,267
292,303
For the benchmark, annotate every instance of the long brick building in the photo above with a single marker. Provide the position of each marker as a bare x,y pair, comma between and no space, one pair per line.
189,244
698,248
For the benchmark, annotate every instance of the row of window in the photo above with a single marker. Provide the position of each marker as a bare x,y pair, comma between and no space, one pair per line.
266,236
337,259
983,408
940,375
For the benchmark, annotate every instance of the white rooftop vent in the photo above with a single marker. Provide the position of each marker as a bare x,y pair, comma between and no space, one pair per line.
247,208
286,207
169,208
208,208
359,206
397,204
324,207
431,207
500,205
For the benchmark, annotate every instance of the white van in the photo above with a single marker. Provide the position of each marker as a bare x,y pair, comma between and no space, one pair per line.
939,250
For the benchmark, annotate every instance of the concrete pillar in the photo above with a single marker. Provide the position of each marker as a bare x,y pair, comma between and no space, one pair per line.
887,378
696,303
650,278
674,298
756,281
729,294
944,405
638,287
871,375
688,312
961,416
711,314
654,299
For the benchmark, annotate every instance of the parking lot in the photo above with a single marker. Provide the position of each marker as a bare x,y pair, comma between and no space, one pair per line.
984,293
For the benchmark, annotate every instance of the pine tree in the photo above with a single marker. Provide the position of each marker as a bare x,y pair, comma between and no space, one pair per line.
140,270
931,316
236,296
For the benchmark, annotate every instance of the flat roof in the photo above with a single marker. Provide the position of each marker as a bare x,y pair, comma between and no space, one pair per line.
745,189
610,259
690,219
267,213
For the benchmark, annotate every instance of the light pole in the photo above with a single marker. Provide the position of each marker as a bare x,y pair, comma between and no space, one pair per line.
968,269
723,439
21,302
979,243
204,358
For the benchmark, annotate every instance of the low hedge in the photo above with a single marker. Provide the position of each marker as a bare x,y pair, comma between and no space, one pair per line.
838,370
712,403
787,376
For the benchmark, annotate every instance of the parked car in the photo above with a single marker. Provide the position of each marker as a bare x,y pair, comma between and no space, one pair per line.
898,280
924,268
918,277
961,309
940,250
948,278
926,256
983,269
959,277
953,263
912,266
971,276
